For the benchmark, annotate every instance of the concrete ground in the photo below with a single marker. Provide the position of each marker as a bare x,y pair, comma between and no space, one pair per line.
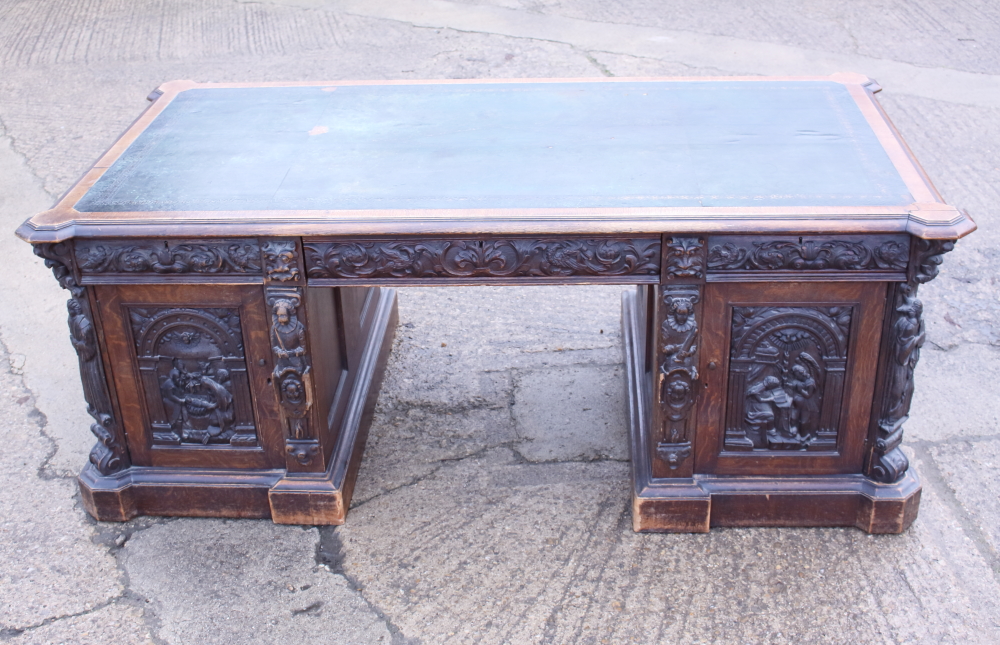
492,505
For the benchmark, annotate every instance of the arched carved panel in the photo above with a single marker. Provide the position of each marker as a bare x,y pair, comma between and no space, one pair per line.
786,377
193,375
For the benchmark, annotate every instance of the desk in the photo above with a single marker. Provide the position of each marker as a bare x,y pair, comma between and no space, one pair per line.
231,263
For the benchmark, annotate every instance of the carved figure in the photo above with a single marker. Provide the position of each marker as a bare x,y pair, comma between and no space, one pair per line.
907,339
199,403
288,335
801,383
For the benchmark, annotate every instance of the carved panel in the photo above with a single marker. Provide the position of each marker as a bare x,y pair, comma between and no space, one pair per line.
108,455
786,377
193,375
905,338
217,257
877,253
684,257
483,258
292,376
281,260
678,371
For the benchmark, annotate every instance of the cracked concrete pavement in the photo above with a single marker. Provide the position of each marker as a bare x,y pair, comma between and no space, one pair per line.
492,505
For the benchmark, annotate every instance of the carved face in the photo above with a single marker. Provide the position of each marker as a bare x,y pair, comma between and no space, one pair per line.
133,261
293,390
800,372
677,392
282,313
201,262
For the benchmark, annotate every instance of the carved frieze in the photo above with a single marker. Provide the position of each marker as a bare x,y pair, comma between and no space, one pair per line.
684,257
108,455
678,371
193,375
738,253
292,375
786,377
281,260
906,337
494,258
217,257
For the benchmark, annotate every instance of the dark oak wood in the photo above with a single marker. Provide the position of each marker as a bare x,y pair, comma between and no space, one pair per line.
232,333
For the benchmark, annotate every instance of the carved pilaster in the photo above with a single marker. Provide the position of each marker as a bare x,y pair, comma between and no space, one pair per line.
904,339
292,375
677,371
108,455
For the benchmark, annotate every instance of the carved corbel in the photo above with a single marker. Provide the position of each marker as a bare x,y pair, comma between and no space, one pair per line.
108,456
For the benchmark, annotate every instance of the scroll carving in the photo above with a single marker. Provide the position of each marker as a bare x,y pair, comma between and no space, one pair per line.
483,258
678,372
292,377
281,260
786,378
194,376
108,455
168,257
684,258
745,254
906,337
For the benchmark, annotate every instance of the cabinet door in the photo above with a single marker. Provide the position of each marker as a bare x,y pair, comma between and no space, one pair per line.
789,372
191,365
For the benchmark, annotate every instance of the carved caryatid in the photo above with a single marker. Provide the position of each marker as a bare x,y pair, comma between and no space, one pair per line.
194,375
292,372
168,257
786,378
683,258
495,258
678,371
906,337
108,455
748,254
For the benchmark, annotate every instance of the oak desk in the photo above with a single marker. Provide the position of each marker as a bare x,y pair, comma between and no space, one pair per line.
231,262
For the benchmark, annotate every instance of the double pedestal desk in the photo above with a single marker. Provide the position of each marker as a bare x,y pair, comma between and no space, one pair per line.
232,259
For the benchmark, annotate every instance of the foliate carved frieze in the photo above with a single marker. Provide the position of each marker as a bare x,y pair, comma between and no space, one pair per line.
906,337
493,258
786,377
739,253
678,371
684,257
193,375
292,375
108,455
281,260
168,257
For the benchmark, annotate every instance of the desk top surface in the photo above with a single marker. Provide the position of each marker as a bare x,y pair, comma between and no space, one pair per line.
363,158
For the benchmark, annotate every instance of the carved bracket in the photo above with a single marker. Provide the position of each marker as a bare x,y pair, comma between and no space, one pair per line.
108,455
906,337
677,370
493,258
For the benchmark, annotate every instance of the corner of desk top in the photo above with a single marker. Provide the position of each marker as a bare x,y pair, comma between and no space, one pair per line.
938,221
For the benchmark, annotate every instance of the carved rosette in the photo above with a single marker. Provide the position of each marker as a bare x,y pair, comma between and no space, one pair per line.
882,253
677,371
905,338
787,369
108,456
683,257
503,258
168,257
193,375
292,377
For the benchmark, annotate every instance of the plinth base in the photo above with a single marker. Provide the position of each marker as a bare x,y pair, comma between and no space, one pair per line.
320,498
697,503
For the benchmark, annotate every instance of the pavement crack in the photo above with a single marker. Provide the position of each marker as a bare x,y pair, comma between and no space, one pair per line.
601,67
330,555
7,633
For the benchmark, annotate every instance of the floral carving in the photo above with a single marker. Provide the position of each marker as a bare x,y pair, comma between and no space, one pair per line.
168,257
746,254
482,258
